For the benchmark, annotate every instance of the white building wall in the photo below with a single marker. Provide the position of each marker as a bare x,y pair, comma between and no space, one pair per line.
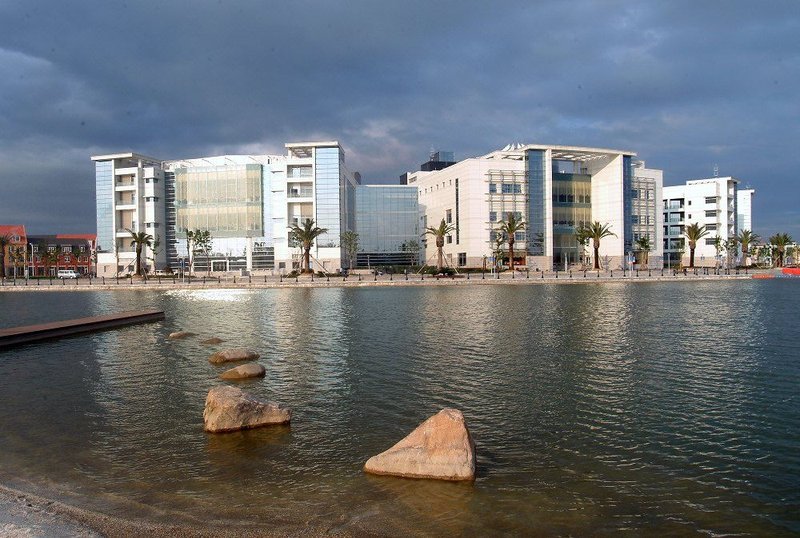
608,208
744,210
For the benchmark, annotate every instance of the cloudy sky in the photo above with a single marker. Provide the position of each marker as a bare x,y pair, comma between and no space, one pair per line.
687,85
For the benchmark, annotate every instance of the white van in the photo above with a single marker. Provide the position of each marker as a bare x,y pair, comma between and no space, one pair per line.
67,273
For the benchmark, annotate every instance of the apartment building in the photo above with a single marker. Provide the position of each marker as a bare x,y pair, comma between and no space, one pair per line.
555,190
710,202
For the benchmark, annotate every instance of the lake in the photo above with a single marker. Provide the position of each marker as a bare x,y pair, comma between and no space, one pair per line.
637,408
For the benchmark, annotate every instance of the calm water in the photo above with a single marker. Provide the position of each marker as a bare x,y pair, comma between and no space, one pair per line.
667,408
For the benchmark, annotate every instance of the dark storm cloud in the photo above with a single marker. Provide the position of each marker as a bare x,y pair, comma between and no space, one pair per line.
686,85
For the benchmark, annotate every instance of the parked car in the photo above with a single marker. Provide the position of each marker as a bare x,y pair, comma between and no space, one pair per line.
67,273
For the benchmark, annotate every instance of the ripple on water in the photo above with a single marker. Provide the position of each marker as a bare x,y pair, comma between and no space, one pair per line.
595,409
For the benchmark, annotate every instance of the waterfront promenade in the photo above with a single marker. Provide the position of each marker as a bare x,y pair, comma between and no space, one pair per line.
366,280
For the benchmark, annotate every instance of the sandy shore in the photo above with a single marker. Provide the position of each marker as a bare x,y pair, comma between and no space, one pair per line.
25,515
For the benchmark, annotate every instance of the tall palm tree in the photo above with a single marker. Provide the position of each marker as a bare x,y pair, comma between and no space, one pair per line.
747,239
644,246
509,227
439,232
139,240
596,231
5,240
305,237
694,233
780,241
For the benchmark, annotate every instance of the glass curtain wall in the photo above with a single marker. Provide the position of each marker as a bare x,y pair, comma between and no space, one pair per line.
327,164
105,209
572,208
387,217
225,200
536,229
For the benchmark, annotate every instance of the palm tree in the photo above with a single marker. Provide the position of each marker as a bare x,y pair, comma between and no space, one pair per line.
139,240
5,240
747,239
17,255
596,231
644,247
780,241
509,227
439,232
694,233
350,244
305,237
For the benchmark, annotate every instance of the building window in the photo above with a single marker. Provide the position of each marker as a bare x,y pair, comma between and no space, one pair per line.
512,188
492,216
711,227
634,193
711,213
634,219
711,199
519,236
711,241
449,216
449,239
492,187
462,259
66,248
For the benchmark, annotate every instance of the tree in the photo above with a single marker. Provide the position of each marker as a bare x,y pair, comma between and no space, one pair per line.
497,250
49,257
412,246
780,241
5,241
305,236
140,240
75,253
189,250
644,247
731,247
596,232
203,242
694,233
747,239
155,249
439,233
510,227
17,258
582,237
350,245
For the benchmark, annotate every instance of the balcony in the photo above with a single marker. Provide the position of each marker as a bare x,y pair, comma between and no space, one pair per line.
300,193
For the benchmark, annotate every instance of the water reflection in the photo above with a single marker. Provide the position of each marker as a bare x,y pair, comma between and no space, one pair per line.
595,408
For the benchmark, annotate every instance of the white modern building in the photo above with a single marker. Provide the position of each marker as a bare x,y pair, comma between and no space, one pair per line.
555,190
744,210
710,202
246,202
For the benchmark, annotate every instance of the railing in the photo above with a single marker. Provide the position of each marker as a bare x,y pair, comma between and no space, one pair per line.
304,193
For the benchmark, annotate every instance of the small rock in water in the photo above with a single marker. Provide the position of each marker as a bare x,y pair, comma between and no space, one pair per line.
180,334
233,355
212,341
245,371
230,409
441,448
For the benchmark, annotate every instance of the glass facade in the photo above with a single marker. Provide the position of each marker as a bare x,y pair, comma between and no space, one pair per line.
627,200
104,187
329,185
386,217
572,208
535,171
225,200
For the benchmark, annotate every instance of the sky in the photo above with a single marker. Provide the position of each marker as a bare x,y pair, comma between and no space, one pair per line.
688,85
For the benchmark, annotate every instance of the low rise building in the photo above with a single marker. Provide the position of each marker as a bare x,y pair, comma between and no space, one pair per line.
14,249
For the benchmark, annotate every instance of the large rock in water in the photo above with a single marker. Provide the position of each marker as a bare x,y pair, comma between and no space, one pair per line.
245,371
441,448
233,355
230,409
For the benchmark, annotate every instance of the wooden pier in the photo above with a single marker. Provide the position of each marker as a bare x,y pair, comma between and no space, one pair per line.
17,336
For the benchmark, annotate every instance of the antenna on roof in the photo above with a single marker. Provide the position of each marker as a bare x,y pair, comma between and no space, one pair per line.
716,170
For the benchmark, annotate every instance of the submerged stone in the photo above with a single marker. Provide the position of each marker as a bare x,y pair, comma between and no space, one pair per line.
233,355
231,409
245,371
212,341
180,334
440,448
